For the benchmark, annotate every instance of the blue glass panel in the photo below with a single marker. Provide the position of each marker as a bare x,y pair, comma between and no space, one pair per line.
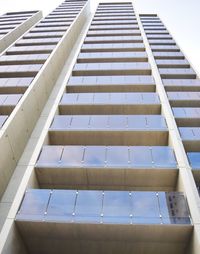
117,98
117,122
99,122
61,205
156,122
194,159
117,156
136,122
140,156
50,156
163,157
95,156
85,98
61,122
145,208
72,156
117,207
173,208
69,98
34,204
101,98
79,122
190,133
88,206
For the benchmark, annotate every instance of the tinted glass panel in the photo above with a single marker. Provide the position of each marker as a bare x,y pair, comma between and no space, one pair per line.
145,208
117,156
72,156
95,156
61,205
194,159
34,204
117,207
88,206
141,157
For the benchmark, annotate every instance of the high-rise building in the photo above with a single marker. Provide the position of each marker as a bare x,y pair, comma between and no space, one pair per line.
101,140
15,24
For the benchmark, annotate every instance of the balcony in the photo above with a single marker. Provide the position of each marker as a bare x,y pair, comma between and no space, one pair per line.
184,99
113,46
108,167
113,39
116,83
44,49
104,221
194,160
8,103
110,103
179,73
109,130
191,138
168,55
168,63
26,70
187,117
14,85
90,69
31,42
113,32
112,57
114,27
181,84
23,59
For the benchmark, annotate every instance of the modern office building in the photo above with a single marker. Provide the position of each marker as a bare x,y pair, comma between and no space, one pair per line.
101,140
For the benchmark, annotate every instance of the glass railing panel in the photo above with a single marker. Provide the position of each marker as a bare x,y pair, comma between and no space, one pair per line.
61,205
117,156
145,208
108,207
88,206
117,207
34,204
72,156
194,159
50,156
95,156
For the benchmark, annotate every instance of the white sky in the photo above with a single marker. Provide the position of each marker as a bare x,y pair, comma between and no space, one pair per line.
181,17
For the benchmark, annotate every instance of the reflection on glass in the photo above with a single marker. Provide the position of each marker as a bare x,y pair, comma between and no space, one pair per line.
141,157
50,156
117,207
145,208
117,121
163,157
107,207
95,156
173,208
155,122
117,156
61,122
194,159
72,156
136,122
101,98
189,133
99,122
79,122
34,204
88,206
61,205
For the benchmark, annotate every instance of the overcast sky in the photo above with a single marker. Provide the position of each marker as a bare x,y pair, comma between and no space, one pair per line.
181,17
